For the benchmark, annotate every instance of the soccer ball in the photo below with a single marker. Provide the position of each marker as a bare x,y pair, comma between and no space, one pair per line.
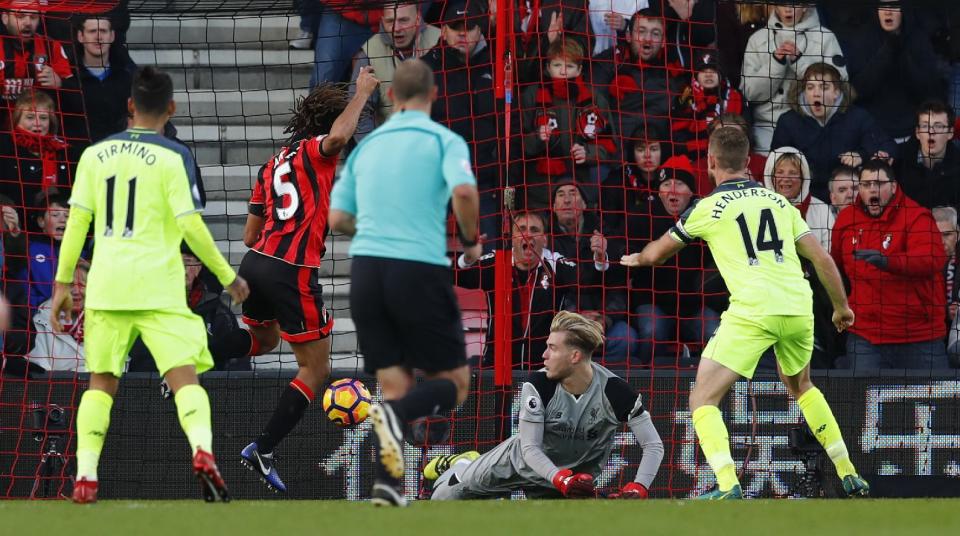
347,402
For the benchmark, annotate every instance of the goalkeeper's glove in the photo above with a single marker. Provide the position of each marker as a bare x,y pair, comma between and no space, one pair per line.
871,256
572,484
632,490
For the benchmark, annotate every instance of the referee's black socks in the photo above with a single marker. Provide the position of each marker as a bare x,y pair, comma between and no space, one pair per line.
293,403
430,397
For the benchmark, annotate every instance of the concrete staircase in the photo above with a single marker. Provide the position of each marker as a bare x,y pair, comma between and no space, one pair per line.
236,81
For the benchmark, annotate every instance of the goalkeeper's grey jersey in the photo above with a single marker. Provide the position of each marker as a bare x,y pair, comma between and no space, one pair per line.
578,431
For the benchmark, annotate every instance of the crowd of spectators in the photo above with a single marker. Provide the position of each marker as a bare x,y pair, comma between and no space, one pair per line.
604,147
850,108
65,85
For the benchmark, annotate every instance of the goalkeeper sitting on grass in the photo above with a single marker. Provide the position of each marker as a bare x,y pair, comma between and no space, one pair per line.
569,414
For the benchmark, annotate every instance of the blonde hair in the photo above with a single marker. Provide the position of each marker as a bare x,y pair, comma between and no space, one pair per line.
750,12
582,333
789,158
32,99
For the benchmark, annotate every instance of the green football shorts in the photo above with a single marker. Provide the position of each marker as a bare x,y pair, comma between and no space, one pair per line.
175,337
740,341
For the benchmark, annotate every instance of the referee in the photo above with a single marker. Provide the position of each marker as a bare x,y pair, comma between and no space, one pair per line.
392,197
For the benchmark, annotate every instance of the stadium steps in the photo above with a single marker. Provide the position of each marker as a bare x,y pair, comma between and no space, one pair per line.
255,107
267,32
235,82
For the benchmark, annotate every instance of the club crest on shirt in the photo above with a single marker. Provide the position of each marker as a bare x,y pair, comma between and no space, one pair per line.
886,241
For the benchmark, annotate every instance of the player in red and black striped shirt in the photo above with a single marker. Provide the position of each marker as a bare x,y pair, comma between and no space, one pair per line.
285,230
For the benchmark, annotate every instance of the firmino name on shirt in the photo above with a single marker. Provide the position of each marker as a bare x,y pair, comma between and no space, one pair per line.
724,199
127,147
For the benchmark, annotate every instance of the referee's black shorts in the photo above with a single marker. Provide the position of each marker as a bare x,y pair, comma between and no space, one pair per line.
406,314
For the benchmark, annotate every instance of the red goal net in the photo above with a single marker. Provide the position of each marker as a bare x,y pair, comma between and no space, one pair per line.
587,123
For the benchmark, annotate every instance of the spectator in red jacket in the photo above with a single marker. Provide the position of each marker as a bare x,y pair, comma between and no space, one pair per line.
890,250
28,58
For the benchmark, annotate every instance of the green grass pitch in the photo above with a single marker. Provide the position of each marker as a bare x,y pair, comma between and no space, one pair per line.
587,518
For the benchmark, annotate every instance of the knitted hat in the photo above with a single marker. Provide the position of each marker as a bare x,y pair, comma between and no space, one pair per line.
680,168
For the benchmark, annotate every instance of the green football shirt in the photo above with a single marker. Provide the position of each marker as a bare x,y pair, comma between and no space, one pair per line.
752,234
136,183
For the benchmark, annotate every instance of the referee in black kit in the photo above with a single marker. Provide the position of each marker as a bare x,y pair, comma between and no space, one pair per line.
392,197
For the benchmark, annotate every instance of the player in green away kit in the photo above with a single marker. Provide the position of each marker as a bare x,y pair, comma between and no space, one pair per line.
140,190
756,237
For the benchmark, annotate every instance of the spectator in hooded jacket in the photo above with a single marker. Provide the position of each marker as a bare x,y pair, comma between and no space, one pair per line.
893,67
928,169
891,252
707,97
825,125
566,125
777,56
788,174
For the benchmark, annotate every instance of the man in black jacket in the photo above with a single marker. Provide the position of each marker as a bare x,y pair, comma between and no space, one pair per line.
105,72
463,66
928,169
544,282
577,233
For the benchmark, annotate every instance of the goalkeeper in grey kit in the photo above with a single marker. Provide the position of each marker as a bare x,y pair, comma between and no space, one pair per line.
570,413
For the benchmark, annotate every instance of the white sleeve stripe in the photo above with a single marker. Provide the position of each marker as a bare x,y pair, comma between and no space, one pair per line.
187,213
797,239
679,226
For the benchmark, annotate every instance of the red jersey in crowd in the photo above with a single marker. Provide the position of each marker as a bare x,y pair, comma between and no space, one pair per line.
22,58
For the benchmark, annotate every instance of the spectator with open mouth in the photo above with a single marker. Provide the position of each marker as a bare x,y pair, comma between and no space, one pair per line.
824,124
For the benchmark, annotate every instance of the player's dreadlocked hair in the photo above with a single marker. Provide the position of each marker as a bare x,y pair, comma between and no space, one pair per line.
582,333
314,114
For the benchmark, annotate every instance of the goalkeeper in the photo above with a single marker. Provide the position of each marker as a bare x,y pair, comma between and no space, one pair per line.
569,414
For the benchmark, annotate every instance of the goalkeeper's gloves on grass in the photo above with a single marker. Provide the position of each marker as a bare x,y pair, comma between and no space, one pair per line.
572,484
872,256
632,490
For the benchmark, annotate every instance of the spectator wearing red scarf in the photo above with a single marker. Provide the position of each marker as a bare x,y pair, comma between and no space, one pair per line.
567,126
708,96
34,158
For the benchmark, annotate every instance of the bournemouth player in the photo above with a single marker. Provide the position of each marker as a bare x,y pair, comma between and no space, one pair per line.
287,227
757,238
140,190
569,414
392,196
